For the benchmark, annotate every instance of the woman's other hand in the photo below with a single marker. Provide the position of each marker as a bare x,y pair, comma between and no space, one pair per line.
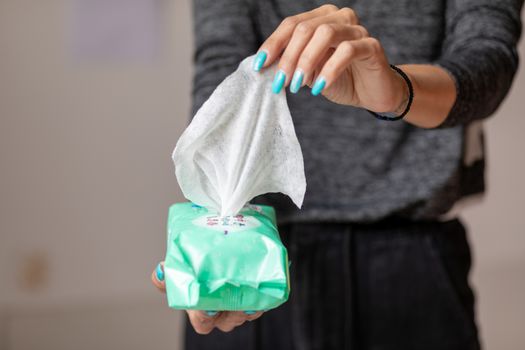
205,321
328,50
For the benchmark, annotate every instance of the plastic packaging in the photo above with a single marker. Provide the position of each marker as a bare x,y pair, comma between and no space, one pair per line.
233,262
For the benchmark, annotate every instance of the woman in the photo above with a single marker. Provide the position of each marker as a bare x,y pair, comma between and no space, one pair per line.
379,259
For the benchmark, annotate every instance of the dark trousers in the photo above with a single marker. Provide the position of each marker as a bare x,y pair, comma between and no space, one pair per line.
384,286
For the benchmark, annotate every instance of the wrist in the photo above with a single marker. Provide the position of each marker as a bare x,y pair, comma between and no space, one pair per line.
404,95
405,92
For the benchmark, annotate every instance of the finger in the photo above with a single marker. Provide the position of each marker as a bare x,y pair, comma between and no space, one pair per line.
277,41
231,319
368,49
348,16
326,37
250,316
202,322
157,277
311,79
302,34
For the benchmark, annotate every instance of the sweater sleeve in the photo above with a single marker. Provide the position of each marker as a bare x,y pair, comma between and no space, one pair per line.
480,54
224,35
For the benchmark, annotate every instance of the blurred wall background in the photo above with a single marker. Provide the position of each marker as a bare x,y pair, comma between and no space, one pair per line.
86,180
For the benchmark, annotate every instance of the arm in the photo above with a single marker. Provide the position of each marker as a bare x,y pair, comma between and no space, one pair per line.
434,95
480,54
329,51
476,68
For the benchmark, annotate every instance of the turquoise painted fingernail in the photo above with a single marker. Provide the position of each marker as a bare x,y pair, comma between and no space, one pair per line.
159,272
278,81
318,86
249,312
297,81
259,60
211,313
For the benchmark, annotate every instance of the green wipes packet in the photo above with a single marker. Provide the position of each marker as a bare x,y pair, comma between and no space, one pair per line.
235,262
241,143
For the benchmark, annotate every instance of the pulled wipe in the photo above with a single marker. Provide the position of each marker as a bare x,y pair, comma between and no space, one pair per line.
241,143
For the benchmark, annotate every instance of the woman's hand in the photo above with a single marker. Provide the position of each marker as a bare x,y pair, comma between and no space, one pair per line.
205,321
329,51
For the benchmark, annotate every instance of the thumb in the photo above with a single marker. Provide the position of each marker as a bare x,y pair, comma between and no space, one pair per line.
157,277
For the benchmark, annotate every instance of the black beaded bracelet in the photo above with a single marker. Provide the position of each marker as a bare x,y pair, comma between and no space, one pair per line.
391,116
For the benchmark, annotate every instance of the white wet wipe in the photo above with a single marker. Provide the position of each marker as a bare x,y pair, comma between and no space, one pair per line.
240,144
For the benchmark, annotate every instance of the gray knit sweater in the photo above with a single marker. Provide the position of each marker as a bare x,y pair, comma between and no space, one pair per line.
359,168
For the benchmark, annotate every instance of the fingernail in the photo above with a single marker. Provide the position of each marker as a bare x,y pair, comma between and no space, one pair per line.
297,81
249,312
159,272
211,313
318,86
259,60
278,81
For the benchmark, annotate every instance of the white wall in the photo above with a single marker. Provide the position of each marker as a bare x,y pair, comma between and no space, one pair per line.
497,226
86,180
86,171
